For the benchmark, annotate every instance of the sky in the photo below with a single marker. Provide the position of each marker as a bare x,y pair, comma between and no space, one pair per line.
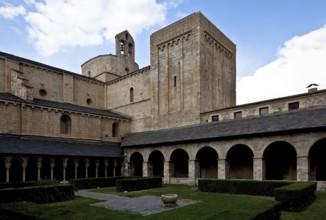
281,44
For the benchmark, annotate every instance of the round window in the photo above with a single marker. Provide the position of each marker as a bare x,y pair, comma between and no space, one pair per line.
43,92
89,101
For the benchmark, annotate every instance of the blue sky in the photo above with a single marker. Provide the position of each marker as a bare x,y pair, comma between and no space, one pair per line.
281,44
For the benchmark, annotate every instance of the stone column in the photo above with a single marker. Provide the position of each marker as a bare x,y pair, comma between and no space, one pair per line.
150,169
64,165
145,168
97,164
115,163
24,161
192,172
221,169
197,171
302,168
259,169
39,166
217,169
52,165
172,174
76,163
86,167
167,173
7,165
106,164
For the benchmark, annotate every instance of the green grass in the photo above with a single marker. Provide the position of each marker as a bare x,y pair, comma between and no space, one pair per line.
207,206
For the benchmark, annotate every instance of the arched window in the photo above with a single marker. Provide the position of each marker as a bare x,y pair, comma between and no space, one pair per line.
122,47
129,49
65,124
115,130
131,94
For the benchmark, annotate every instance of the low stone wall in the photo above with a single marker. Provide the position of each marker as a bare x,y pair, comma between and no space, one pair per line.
321,186
179,180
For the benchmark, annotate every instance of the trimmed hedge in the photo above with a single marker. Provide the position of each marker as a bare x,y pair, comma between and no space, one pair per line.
297,196
134,184
247,187
27,184
293,196
39,194
91,183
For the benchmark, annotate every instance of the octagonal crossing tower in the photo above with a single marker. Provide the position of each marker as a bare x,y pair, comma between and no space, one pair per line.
193,67
109,67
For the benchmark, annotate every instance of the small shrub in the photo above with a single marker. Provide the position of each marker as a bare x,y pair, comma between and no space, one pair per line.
247,187
134,184
296,196
94,182
27,184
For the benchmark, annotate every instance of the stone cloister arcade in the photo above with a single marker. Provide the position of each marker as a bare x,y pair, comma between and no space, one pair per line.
299,157
27,168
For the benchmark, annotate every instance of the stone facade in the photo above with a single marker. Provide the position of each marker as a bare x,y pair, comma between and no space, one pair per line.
114,108
192,62
316,99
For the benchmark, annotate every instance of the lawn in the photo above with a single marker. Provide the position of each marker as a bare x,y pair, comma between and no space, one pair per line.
207,206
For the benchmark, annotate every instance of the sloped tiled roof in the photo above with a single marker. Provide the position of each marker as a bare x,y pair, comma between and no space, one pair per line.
77,108
282,123
46,146
32,62
10,97
63,106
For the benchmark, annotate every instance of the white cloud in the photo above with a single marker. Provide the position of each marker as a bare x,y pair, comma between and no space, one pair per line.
58,24
301,61
9,12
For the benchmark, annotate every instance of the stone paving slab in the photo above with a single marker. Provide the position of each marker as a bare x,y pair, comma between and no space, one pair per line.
144,205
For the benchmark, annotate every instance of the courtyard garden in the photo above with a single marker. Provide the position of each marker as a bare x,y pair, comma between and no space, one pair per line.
204,205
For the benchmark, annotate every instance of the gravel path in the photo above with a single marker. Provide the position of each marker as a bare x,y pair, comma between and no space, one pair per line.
144,205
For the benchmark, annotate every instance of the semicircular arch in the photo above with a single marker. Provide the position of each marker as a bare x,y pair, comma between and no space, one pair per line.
280,161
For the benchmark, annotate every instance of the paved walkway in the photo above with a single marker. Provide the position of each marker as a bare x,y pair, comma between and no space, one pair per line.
144,205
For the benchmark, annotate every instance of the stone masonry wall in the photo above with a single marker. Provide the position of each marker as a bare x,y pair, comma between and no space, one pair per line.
28,119
305,100
118,66
29,81
10,117
218,71
193,70
139,109
175,64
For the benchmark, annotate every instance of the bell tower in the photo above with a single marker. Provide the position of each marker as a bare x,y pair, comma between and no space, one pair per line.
109,67
124,45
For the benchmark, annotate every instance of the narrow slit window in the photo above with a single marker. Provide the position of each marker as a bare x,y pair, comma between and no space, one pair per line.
131,94
115,130
175,81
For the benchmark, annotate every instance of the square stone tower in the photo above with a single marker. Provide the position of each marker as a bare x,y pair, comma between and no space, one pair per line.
193,70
